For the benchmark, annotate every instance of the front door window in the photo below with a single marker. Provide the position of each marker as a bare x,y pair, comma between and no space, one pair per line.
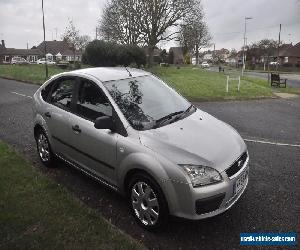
92,102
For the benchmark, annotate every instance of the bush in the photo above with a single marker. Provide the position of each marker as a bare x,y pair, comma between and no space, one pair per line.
101,53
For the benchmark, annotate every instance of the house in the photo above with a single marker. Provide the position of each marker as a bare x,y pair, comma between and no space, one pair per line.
55,50
290,54
221,55
6,54
156,54
208,56
231,60
176,55
60,50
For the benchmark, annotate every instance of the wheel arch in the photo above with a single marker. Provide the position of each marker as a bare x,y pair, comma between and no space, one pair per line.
36,128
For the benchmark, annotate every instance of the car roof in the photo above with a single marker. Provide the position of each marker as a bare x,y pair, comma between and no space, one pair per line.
105,74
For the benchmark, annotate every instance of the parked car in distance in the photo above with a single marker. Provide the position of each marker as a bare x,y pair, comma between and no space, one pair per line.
44,61
204,65
274,63
19,60
131,132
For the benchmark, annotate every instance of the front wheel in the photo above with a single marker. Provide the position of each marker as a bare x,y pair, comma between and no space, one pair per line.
147,202
44,149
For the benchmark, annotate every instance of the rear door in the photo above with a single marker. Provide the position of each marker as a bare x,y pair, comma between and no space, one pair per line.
57,114
94,149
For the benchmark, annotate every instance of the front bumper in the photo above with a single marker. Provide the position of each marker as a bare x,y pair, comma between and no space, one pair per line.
207,201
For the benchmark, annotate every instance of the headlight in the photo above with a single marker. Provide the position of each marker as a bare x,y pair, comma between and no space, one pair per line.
201,175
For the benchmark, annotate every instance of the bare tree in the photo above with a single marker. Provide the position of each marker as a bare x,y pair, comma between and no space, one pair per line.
143,22
194,33
83,41
73,38
118,23
267,47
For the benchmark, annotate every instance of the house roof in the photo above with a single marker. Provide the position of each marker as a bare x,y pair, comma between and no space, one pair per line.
20,52
290,51
54,47
176,49
156,51
283,49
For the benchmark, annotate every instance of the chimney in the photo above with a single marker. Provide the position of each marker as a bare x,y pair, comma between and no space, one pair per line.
3,43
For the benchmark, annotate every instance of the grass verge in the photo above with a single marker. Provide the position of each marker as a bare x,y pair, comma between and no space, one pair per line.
35,212
198,85
28,73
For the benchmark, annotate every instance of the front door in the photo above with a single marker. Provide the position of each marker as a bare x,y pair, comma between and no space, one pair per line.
94,149
57,114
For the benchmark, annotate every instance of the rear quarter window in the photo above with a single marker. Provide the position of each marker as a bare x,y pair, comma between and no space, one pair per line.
46,90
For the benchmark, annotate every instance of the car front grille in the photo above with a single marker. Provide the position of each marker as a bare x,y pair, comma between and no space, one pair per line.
237,165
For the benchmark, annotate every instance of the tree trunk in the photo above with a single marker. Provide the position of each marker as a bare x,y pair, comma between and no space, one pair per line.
197,54
74,55
150,57
268,65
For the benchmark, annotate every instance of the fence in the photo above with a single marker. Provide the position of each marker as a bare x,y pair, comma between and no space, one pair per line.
233,79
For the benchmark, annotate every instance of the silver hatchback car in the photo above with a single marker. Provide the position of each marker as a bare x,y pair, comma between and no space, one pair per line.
130,131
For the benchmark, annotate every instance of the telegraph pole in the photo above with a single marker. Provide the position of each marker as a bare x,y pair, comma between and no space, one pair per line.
277,65
45,48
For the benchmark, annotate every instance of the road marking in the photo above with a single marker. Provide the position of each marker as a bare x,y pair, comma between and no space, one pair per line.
273,143
21,94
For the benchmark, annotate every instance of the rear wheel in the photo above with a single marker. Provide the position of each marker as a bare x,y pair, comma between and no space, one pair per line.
44,149
147,202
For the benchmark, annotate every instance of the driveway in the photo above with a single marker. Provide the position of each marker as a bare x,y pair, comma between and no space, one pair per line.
293,80
271,202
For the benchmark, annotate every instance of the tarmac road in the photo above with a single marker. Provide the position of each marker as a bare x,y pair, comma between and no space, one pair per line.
271,202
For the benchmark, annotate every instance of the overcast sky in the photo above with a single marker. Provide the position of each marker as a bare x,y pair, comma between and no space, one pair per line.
21,20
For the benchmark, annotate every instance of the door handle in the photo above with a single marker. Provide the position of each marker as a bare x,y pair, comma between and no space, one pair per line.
76,128
48,114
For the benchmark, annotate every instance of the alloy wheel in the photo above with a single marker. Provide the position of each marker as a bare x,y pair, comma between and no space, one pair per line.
145,203
43,147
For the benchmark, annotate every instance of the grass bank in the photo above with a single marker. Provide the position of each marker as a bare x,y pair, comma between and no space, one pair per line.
197,84
28,73
37,213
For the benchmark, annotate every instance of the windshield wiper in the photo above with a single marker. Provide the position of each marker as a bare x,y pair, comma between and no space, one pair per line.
187,110
167,118
172,117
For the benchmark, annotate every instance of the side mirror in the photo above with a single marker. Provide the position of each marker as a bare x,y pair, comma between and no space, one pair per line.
104,122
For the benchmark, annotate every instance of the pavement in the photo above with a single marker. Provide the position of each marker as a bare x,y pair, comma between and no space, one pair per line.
271,202
293,80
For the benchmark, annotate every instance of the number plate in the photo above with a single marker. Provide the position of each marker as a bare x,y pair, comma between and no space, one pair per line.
240,182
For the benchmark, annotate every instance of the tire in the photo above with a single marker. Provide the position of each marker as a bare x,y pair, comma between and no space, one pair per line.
147,202
44,149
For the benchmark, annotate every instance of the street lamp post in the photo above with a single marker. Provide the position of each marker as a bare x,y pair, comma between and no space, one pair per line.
243,68
45,48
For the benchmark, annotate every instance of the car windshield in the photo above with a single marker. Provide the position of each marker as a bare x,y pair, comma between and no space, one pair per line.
146,101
